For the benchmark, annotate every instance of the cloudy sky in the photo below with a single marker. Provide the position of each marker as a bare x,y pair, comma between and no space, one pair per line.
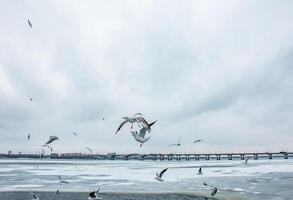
220,71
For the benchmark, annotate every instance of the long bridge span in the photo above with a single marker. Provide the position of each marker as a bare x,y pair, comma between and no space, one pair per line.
168,156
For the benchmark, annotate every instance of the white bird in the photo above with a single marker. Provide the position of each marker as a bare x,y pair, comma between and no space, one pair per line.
93,195
74,133
215,190
139,139
89,150
197,141
141,136
51,139
177,144
199,171
159,176
62,181
28,136
29,23
246,161
35,196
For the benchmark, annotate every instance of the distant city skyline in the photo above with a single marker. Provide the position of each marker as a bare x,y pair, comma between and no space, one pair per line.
220,71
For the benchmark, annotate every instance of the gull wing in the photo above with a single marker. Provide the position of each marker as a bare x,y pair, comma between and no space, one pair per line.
89,149
92,194
162,172
35,196
120,126
143,122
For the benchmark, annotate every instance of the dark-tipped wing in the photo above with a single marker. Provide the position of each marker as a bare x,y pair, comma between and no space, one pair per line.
152,123
29,23
162,172
92,194
120,126
35,196
98,190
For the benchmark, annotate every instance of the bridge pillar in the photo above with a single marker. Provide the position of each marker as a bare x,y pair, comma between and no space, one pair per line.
286,155
178,157
218,156
154,157
207,157
196,157
255,156
270,156
242,156
187,157
229,156
162,157
170,156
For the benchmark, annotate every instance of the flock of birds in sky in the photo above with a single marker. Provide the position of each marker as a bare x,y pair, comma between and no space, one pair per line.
140,137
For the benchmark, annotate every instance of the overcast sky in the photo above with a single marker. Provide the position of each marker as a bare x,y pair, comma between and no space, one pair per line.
220,71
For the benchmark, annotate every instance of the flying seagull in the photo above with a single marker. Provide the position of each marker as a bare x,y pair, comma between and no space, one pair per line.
127,119
141,136
178,144
197,141
28,136
93,195
29,23
246,161
89,150
199,171
103,118
35,196
159,176
51,139
215,190
51,149
74,133
31,99
62,181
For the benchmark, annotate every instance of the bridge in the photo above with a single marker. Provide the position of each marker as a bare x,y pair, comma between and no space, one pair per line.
169,156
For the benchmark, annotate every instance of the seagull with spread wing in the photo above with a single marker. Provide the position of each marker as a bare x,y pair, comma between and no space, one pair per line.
62,181
93,195
177,144
159,176
196,141
90,150
141,136
215,190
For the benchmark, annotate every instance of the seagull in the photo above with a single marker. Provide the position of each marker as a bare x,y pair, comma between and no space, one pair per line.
159,176
141,136
51,149
28,136
199,171
215,190
74,133
246,161
29,23
31,99
103,118
62,181
127,119
178,144
58,191
93,195
89,150
51,139
197,141
35,196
